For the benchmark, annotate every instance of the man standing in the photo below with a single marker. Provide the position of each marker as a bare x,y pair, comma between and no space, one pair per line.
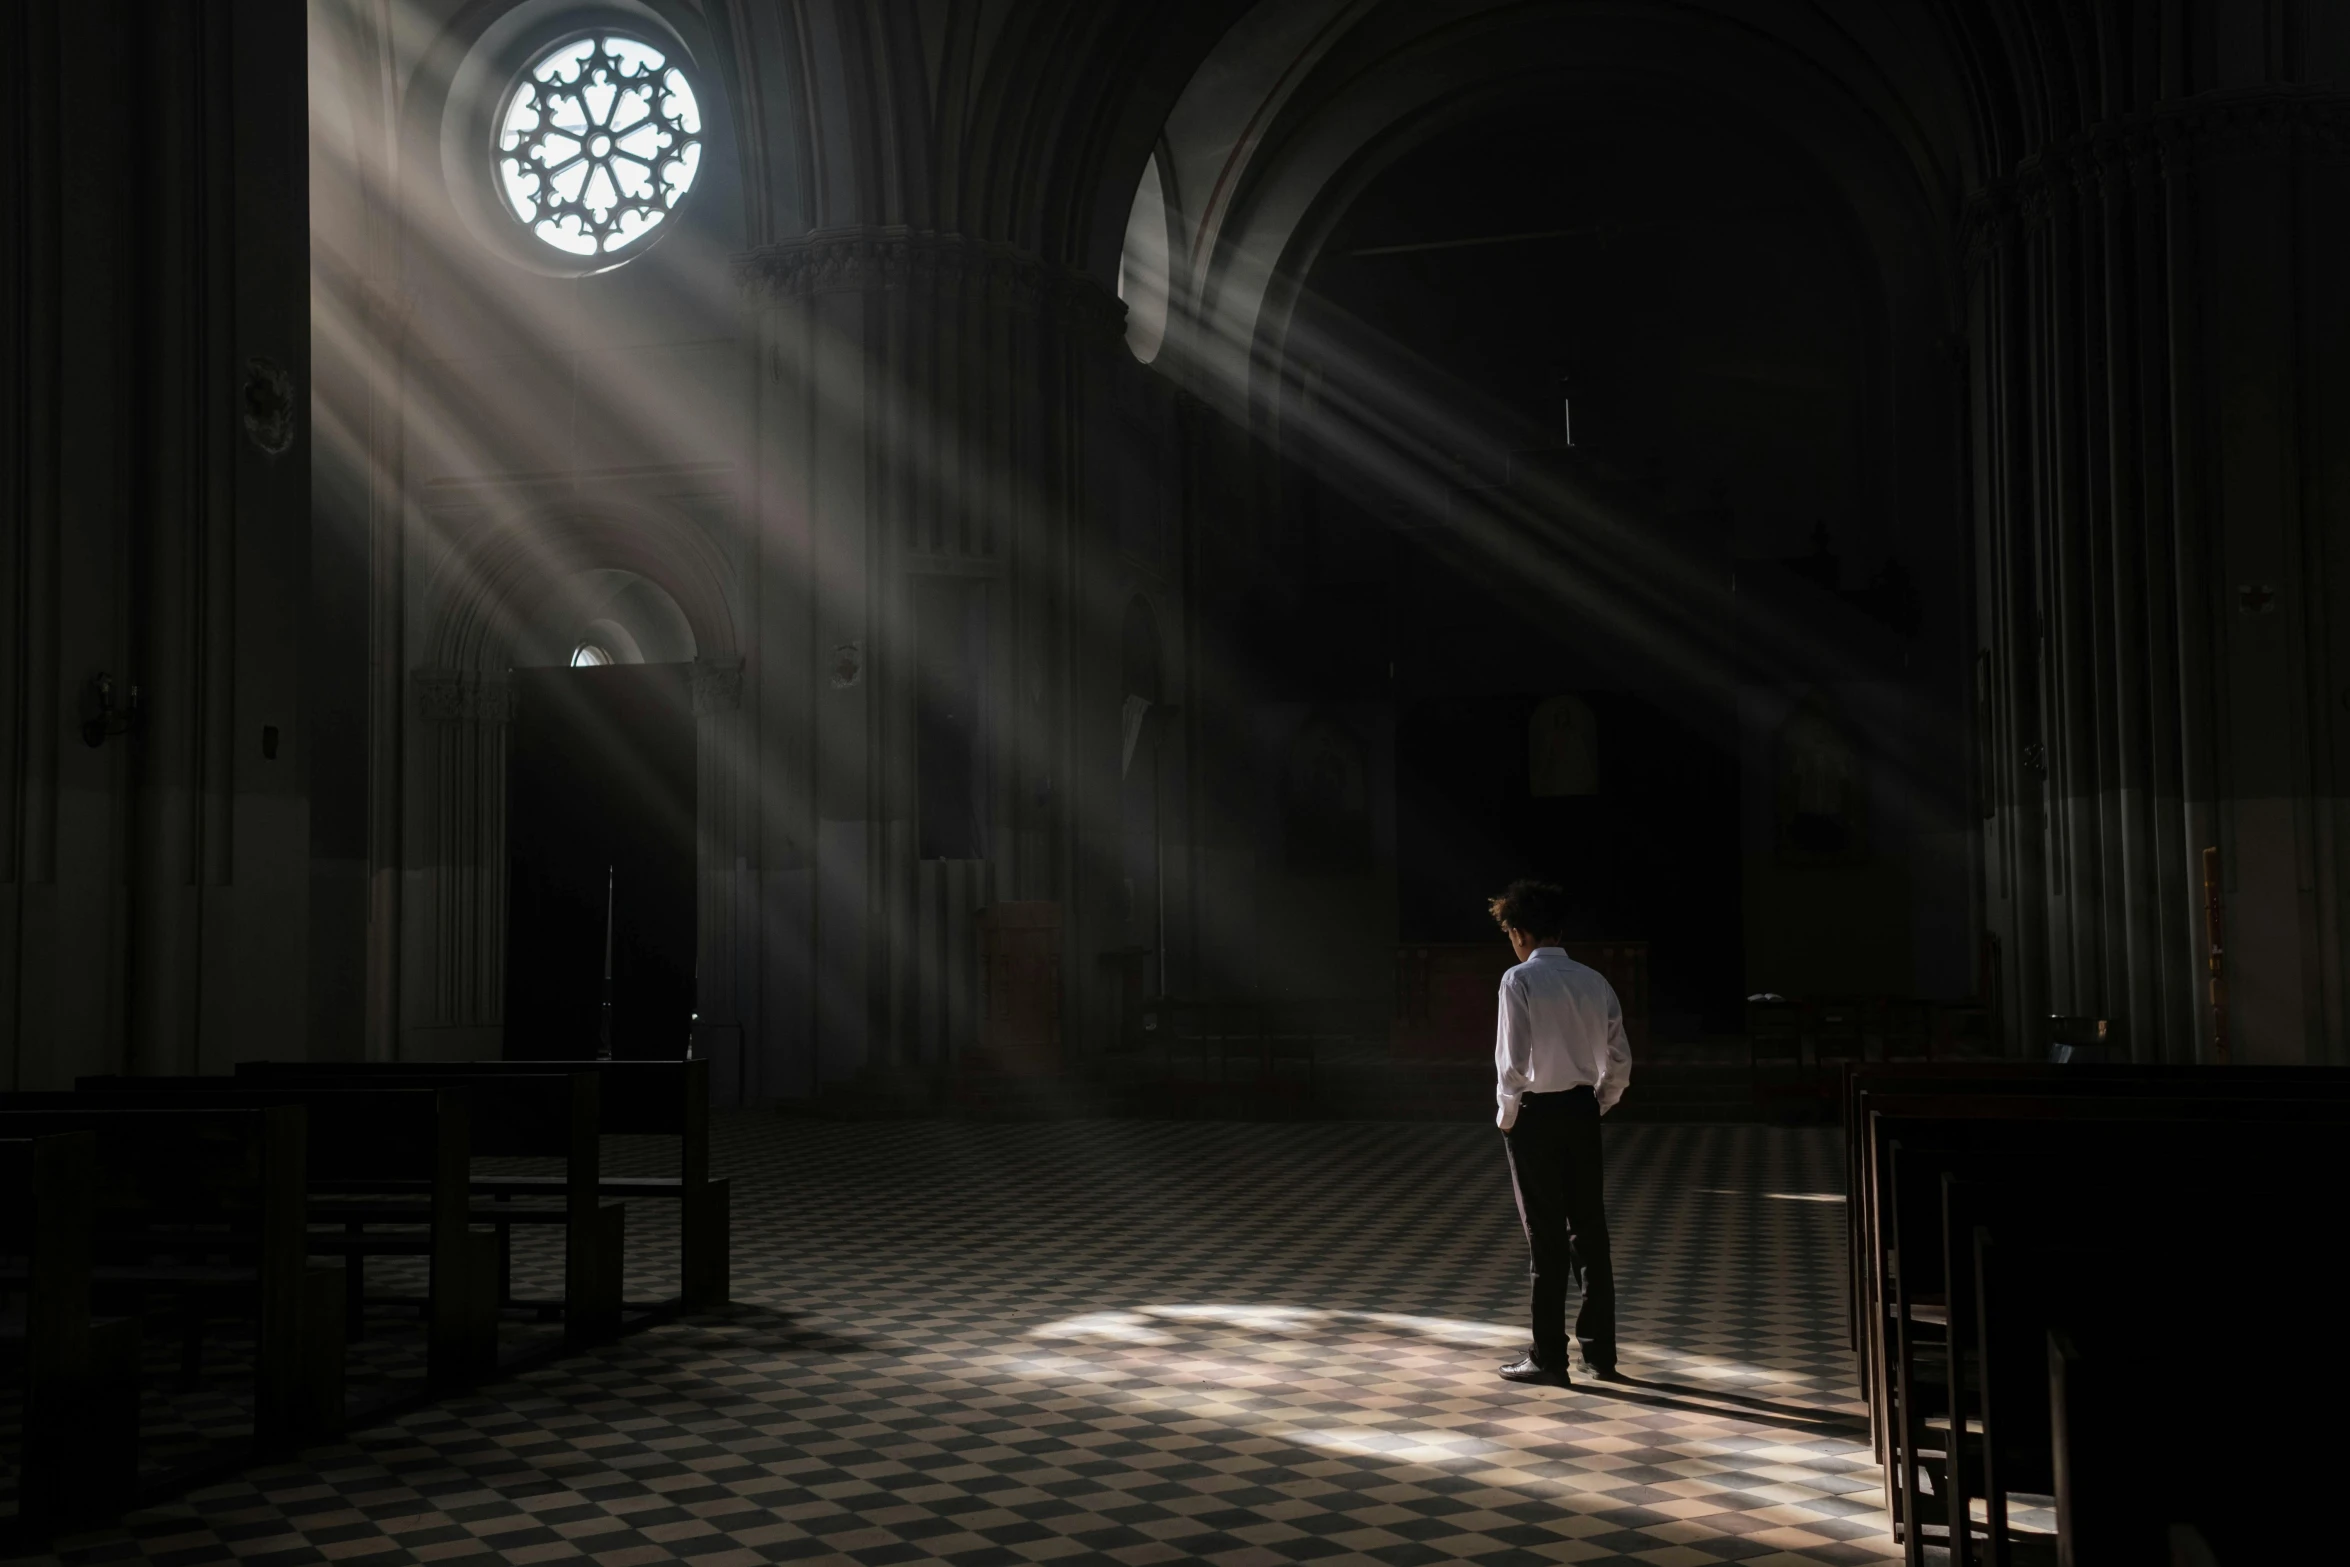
1562,1063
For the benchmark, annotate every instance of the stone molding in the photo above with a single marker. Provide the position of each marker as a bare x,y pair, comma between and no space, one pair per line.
461,696
2141,150
860,260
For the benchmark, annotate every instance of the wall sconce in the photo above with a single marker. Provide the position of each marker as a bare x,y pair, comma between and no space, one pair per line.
107,710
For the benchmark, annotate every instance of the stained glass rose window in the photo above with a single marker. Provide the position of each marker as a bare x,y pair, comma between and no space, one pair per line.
598,144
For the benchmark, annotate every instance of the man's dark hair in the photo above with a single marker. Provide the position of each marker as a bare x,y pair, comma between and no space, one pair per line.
1538,908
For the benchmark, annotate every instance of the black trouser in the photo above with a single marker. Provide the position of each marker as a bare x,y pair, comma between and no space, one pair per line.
1555,1165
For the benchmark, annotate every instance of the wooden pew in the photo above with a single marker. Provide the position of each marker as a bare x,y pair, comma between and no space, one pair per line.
210,1184
2150,1435
79,1459
2109,1187
658,1098
404,1139
512,1114
1912,1143
1943,1079
1946,1077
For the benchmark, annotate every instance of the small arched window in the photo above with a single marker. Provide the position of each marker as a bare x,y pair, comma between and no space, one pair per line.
589,655
1144,265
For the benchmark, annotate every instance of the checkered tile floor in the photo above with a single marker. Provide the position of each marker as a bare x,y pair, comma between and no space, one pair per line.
1144,1342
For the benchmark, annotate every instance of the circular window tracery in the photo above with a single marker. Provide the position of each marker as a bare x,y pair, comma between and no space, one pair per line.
599,142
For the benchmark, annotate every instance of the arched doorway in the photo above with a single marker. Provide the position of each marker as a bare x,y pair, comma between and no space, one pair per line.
600,802
582,675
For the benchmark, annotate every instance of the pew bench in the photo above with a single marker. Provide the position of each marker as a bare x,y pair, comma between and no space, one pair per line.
2226,1424
547,1115
77,1374
669,1099
206,1207
2012,1225
1927,1417
411,1139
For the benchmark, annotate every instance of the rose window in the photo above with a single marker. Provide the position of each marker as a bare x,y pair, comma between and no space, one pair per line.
598,144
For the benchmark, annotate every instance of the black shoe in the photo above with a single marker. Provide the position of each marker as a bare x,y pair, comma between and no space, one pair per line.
1528,1369
1602,1371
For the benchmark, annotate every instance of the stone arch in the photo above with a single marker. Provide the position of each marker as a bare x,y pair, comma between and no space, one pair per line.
1304,102
487,589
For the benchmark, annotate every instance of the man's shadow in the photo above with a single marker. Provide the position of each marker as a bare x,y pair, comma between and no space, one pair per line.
1706,1401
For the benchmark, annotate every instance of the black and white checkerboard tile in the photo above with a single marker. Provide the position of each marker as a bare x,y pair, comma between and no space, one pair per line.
1144,1342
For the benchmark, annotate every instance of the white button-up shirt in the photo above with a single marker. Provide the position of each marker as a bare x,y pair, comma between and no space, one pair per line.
1560,1027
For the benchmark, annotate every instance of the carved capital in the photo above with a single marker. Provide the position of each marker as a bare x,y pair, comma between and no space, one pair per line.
461,696
1987,222
267,407
2035,192
859,260
2261,122
2162,141
867,259
718,684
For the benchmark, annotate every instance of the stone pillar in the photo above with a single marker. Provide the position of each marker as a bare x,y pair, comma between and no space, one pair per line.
452,1004
725,990
2157,307
382,394
922,405
156,882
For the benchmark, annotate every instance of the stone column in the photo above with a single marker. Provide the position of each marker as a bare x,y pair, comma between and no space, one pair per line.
2156,523
154,429
452,1004
921,413
725,989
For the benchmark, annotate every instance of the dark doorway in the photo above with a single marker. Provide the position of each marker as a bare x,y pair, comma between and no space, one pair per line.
600,784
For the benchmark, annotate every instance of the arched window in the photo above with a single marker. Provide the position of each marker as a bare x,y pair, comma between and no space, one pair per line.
590,656
1143,266
597,144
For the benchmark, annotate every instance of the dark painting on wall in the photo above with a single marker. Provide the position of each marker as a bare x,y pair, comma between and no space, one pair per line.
1823,793
1326,800
1562,749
